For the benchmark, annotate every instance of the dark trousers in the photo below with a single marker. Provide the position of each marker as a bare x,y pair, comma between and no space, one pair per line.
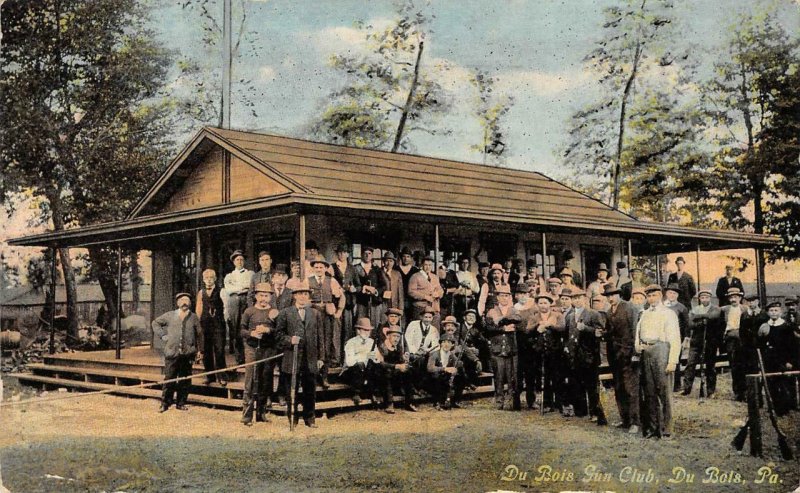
308,381
709,360
258,379
387,378
176,367
331,340
214,349
347,331
626,388
237,304
657,394
585,385
738,362
358,378
556,379
442,386
505,373
530,375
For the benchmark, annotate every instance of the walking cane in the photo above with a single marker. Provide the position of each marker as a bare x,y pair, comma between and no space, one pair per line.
783,442
293,389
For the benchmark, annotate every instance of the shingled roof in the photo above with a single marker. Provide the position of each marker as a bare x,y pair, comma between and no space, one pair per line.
326,175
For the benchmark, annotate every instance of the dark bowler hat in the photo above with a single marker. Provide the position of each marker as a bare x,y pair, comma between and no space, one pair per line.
387,255
341,247
367,249
447,337
262,253
673,287
463,258
236,253
652,287
602,267
680,259
522,287
279,269
774,304
311,245
394,311
751,297
481,265
472,311
565,292
791,300
621,265
610,289
405,251
181,295
530,264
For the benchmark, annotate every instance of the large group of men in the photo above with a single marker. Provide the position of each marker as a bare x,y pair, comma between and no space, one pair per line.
394,325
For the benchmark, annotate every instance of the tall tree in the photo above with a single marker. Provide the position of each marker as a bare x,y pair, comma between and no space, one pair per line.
82,125
754,100
637,68
490,109
389,93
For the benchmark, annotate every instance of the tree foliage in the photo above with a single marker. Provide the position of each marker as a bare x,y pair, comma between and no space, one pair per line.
490,109
389,93
754,109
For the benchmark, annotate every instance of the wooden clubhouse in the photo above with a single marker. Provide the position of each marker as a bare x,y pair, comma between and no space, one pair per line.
231,190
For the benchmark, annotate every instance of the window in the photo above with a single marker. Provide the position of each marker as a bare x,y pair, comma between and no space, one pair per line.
555,253
184,271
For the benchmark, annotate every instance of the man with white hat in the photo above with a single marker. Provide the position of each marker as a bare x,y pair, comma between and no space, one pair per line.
182,339
237,286
360,352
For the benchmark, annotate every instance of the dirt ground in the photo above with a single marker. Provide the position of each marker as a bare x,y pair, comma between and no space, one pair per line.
109,443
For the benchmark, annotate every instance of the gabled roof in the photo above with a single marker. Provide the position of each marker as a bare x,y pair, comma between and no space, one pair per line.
333,176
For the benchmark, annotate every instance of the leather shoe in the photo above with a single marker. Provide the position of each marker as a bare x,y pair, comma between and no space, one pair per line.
311,423
389,410
602,422
356,400
633,430
163,408
686,391
412,408
182,407
456,405
268,403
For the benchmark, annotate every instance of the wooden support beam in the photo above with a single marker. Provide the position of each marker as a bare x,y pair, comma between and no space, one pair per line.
761,285
118,321
436,249
301,228
54,253
630,255
698,269
198,266
545,274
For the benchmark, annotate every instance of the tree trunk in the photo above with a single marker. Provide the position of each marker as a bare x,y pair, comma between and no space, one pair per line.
104,271
57,213
409,101
622,115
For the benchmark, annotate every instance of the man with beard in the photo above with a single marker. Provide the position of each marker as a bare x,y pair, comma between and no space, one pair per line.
584,328
705,336
210,309
621,330
182,338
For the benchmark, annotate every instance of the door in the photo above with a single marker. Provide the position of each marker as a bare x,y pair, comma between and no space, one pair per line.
592,257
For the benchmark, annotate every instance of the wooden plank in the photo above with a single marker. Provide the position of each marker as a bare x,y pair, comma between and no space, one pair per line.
202,188
246,182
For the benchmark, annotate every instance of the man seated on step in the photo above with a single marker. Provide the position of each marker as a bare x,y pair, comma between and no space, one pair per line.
447,374
421,336
393,369
360,353
259,336
470,359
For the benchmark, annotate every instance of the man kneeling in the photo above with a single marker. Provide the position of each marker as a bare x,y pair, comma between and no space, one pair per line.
447,375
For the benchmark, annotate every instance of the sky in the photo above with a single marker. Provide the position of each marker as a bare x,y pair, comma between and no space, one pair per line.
534,47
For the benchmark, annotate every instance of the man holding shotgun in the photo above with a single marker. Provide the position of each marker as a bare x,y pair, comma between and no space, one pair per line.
299,332
258,334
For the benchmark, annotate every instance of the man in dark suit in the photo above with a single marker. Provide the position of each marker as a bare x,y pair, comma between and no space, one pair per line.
299,329
283,295
725,283
344,273
779,350
585,329
673,294
705,324
685,282
210,309
621,331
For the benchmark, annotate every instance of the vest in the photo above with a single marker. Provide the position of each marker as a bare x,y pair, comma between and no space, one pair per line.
320,293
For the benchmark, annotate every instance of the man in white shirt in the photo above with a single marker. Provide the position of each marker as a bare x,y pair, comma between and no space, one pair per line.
658,341
468,288
358,352
421,337
237,286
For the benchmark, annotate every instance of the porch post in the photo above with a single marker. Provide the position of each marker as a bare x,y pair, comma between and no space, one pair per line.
198,274
761,287
658,270
698,267
545,274
118,321
436,248
301,227
630,255
53,252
